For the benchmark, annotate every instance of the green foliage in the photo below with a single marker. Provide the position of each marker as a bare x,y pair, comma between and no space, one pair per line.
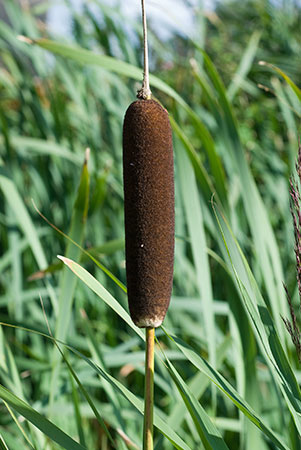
226,373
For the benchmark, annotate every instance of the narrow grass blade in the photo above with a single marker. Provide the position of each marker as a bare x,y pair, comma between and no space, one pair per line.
25,145
294,87
15,202
159,423
10,376
262,323
225,387
195,222
15,306
76,233
77,413
295,440
166,430
68,281
209,434
43,424
95,351
201,174
96,287
244,65
198,385
23,432
267,250
3,445
8,368
107,248
85,252
288,115
84,393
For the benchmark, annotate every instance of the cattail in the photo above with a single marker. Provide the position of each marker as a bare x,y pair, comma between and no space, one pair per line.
149,222
149,211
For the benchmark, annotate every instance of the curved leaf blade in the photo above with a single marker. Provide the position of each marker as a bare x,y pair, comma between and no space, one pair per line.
43,424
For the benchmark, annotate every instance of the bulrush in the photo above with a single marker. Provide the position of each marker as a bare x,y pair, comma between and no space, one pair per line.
148,183
149,211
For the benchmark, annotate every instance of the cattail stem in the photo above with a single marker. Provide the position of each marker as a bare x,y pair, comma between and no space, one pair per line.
149,389
145,91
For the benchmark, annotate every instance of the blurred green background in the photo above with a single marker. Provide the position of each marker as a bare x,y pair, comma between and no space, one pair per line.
236,124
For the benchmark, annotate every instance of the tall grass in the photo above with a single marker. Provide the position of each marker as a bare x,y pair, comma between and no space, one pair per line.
227,374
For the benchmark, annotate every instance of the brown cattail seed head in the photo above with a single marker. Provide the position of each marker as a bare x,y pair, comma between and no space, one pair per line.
149,211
